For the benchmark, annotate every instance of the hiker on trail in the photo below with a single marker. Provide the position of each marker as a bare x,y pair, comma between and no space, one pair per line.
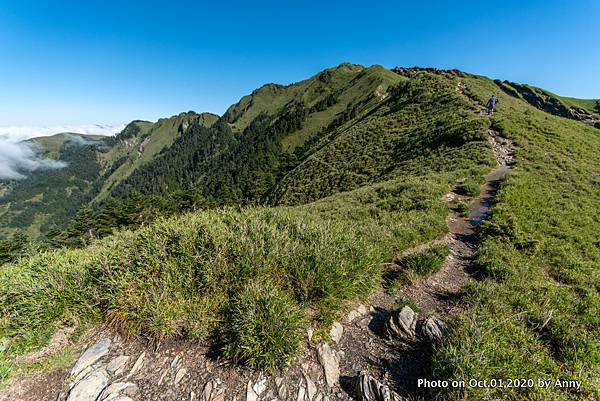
491,104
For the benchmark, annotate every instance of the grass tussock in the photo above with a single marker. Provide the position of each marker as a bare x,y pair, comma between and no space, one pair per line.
418,265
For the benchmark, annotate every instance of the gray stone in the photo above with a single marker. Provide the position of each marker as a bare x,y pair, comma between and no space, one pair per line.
90,387
117,365
330,362
91,355
369,389
403,323
117,397
250,393
138,364
80,376
433,329
260,386
301,394
282,388
311,388
211,392
176,362
356,313
336,332
126,388
163,375
180,375
309,332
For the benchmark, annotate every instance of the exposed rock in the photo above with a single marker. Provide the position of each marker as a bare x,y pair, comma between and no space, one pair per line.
180,375
91,355
369,389
260,386
176,362
364,322
282,388
117,365
253,392
211,392
433,329
356,313
301,394
118,398
330,362
311,388
137,365
309,332
118,388
163,375
90,387
80,376
403,323
336,332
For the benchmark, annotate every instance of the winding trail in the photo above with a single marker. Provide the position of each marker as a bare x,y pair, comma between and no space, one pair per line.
399,364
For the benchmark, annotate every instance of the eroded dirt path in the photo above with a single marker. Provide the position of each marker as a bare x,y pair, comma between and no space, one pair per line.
399,364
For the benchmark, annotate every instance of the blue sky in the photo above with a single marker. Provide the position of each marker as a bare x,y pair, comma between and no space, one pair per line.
82,62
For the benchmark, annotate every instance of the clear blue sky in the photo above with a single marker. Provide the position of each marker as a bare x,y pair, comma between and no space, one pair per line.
76,62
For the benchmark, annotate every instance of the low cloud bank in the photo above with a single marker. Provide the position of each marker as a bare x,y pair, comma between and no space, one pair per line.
17,159
21,133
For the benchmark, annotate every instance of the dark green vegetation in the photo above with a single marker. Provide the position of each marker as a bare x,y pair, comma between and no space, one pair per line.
295,199
47,200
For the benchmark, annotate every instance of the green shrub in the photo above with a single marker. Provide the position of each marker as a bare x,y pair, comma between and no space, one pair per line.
427,262
263,327
463,209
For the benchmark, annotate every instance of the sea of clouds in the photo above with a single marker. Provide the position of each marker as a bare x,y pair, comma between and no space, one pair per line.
17,158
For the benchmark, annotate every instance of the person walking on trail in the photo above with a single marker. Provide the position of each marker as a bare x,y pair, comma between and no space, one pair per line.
491,104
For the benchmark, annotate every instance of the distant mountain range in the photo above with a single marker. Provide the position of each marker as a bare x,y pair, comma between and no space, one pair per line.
279,145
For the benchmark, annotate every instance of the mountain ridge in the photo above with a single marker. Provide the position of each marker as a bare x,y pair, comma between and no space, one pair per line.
359,198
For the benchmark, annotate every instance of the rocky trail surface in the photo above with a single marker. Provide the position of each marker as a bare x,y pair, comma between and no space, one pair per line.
376,353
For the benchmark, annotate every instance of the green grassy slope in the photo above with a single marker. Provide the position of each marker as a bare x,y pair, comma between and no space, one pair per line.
535,312
354,163
343,128
134,152
198,277
590,105
577,109
424,127
50,146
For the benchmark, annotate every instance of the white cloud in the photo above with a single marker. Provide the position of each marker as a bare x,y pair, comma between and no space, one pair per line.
17,158
20,133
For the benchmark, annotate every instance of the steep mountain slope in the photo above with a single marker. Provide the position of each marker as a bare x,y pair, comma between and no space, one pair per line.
345,127
586,110
51,198
50,146
354,168
139,144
